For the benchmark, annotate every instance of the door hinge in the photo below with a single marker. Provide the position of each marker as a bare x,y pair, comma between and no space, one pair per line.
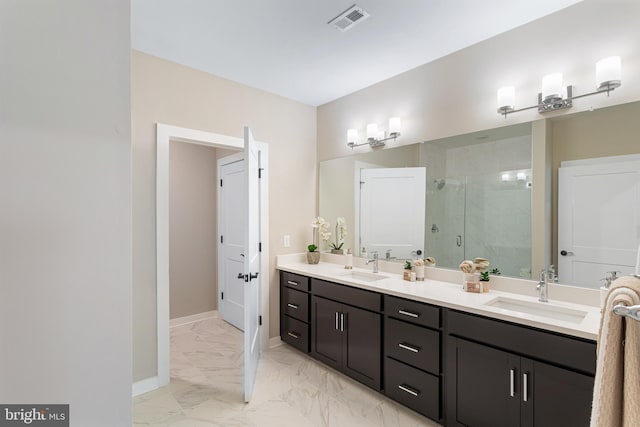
260,247
220,183
221,239
260,172
259,320
222,295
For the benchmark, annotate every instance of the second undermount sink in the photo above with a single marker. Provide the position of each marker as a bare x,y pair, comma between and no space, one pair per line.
362,276
538,309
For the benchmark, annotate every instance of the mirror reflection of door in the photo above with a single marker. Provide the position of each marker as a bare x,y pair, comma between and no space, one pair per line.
598,218
392,207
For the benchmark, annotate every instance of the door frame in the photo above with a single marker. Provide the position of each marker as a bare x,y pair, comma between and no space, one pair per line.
164,135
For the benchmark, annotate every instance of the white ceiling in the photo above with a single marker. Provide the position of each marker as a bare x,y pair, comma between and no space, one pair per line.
286,47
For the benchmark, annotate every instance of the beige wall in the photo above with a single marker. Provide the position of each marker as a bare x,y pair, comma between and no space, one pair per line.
173,94
613,131
457,94
65,220
192,229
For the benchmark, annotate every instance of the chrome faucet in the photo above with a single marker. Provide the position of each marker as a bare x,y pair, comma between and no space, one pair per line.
542,285
387,255
374,261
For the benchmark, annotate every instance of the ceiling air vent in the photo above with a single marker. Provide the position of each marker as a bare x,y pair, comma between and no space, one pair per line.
349,18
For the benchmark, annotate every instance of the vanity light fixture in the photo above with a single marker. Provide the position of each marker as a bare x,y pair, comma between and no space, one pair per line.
375,137
555,97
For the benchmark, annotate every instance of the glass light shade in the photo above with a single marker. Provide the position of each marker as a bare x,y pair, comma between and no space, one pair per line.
506,99
521,176
608,72
395,125
352,135
372,131
505,177
552,87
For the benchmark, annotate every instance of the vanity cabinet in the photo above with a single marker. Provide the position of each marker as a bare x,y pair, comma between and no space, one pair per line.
346,330
502,374
412,363
294,314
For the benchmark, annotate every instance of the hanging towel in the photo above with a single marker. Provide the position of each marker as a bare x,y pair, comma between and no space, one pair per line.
616,394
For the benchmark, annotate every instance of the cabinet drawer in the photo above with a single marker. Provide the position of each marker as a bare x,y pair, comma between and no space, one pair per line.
412,311
347,294
295,304
295,281
413,345
574,353
295,333
413,388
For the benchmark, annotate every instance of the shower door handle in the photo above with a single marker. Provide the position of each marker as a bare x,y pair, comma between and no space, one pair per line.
459,240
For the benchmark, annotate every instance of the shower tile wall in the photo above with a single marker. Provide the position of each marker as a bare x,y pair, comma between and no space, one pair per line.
470,199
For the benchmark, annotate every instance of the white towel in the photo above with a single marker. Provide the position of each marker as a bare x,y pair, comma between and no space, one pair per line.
616,394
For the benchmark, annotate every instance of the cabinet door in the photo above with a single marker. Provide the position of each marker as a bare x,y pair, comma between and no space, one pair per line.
554,396
362,351
326,338
486,386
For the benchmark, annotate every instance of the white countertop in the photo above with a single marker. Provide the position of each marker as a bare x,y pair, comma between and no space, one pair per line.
451,295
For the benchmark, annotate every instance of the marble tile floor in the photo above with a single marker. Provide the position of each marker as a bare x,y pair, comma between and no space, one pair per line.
291,389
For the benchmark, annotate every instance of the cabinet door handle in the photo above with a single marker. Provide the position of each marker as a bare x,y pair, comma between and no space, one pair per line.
341,322
291,282
409,347
295,307
512,382
337,324
525,387
409,390
293,334
408,313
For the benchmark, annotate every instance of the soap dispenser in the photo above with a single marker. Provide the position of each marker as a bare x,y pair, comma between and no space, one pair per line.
348,264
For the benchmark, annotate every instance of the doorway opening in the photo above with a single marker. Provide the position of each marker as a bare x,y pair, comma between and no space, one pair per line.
165,134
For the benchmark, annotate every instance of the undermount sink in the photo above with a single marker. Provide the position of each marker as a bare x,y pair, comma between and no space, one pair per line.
364,277
541,309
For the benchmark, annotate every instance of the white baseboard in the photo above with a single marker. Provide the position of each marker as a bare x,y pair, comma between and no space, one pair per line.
145,386
275,342
180,321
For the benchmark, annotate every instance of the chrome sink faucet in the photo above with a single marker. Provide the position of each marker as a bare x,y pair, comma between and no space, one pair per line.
374,261
542,285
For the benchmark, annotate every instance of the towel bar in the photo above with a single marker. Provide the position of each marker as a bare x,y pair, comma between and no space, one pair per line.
632,312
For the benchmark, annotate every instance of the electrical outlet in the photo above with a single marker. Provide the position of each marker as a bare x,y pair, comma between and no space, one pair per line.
287,241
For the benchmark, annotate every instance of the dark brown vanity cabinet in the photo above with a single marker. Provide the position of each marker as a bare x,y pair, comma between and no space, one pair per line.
346,330
294,313
412,363
501,374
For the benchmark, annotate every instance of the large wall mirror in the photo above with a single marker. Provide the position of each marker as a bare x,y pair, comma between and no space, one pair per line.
470,196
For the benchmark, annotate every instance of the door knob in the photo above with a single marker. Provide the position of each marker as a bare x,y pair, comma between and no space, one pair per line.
240,275
565,253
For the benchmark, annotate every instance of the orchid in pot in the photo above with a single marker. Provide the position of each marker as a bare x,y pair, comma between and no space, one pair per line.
320,232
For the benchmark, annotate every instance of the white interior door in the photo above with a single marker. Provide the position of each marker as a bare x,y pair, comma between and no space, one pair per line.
598,219
231,202
251,262
392,207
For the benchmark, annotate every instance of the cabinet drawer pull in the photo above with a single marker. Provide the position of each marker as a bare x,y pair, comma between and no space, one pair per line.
291,282
295,307
512,382
341,322
409,347
293,334
408,313
525,386
409,390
